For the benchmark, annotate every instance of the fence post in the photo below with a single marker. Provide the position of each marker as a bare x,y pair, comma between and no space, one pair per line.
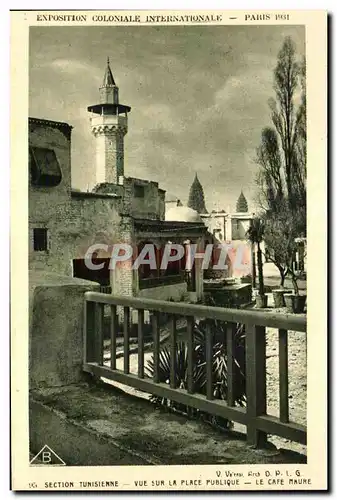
255,382
89,329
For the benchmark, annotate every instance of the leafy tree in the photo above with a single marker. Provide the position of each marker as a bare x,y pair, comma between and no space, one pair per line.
300,154
282,151
280,233
196,199
282,160
270,177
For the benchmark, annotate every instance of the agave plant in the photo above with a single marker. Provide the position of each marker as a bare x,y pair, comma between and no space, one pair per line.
219,366
218,331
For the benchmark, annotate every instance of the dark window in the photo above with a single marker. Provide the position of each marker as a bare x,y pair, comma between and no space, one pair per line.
102,276
44,167
40,239
138,191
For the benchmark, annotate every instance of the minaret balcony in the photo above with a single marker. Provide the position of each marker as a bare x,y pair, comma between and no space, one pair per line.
109,120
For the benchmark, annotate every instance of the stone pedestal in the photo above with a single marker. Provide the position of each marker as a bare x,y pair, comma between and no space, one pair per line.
56,329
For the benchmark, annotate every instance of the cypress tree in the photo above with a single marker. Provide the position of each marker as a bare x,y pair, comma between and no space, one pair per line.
241,204
196,199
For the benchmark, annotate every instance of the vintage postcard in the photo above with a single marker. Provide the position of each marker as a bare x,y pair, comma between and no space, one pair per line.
168,250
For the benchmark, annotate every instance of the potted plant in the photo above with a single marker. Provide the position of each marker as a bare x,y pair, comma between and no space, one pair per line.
255,235
276,257
281,236
278,296
295,302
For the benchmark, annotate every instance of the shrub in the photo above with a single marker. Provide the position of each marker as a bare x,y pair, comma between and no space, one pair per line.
219,365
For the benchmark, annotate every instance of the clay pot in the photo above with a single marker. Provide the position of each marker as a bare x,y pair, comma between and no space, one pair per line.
278,296
261,301
295,303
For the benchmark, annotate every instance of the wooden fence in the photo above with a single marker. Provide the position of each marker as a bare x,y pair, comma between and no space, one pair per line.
254,415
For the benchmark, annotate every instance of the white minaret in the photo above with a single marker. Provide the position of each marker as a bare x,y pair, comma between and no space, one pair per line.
109,124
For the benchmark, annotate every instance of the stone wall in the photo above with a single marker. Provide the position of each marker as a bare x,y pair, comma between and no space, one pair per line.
151,205
56,329
73,227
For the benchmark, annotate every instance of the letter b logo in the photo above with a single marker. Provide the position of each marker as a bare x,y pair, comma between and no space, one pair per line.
46,457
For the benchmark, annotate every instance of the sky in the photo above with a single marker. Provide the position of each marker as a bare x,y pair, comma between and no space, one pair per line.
199,98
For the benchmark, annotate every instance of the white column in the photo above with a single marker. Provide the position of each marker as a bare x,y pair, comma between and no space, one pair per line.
228,228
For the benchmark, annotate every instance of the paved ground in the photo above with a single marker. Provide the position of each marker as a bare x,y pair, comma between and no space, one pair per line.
274,282
154,435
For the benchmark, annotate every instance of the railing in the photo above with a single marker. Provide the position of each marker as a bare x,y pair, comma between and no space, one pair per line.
253,415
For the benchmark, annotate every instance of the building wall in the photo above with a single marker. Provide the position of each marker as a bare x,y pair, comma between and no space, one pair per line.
47,204
171,204
122,278
149,206
240,227
161,203
46,135
75,221
72,228
227,227
216,225
232,228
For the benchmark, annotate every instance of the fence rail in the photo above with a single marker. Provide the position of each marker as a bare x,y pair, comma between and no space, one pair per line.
253,415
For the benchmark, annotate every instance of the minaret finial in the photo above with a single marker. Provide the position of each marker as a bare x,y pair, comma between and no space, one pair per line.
108,80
